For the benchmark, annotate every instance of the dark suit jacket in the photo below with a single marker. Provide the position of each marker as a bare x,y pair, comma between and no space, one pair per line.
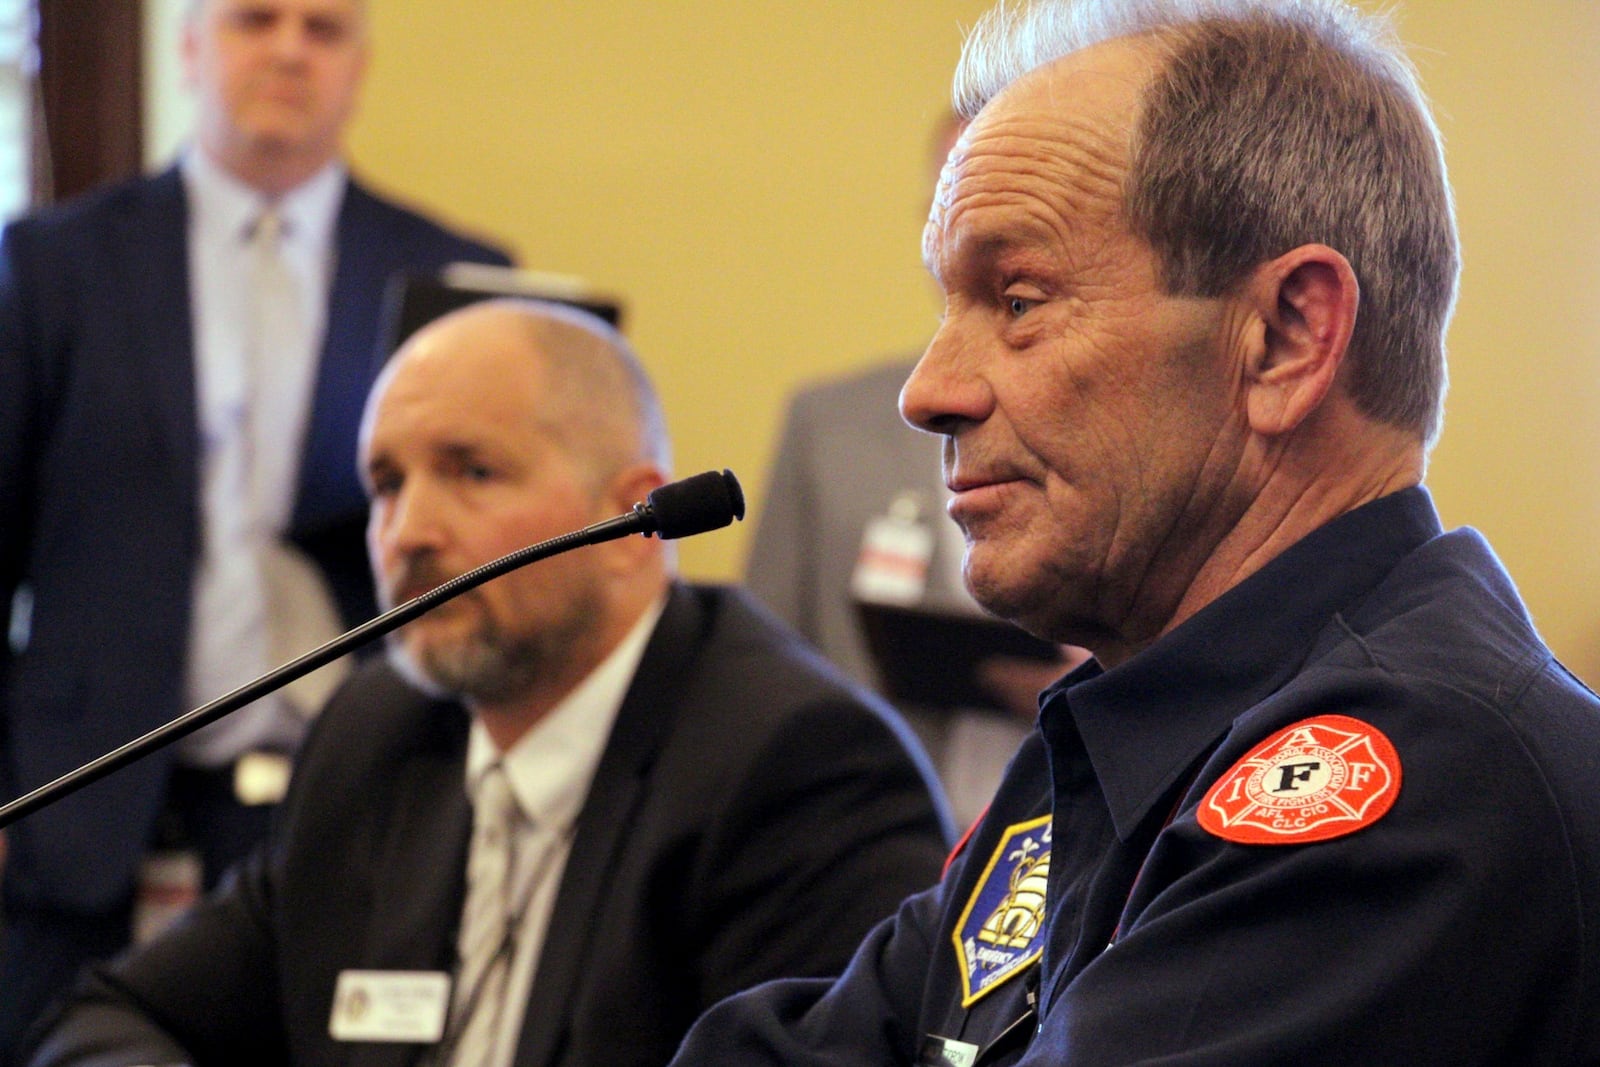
99,477
751,816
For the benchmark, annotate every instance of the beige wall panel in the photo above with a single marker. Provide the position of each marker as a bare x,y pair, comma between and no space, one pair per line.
1516,88
749,178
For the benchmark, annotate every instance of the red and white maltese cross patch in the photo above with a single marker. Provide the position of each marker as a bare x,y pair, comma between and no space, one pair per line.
1320,778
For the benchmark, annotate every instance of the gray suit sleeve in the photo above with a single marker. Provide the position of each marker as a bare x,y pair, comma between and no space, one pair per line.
782,567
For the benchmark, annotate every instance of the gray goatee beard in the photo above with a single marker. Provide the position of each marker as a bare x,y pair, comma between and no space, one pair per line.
492,665
486,667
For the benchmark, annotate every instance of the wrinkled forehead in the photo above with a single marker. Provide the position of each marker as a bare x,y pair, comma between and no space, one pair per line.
1059,139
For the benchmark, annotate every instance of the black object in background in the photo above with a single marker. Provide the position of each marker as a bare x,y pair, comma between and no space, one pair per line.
412,300
931,658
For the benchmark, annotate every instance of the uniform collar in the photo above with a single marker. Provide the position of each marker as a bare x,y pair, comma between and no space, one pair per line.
1146,722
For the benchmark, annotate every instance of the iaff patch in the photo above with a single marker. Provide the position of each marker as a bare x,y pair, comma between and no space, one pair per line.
997,936
1321,778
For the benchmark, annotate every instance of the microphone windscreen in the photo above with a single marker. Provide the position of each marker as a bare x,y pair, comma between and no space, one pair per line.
694,505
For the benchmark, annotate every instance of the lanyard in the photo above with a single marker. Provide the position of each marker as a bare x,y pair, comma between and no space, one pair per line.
504,954
504,957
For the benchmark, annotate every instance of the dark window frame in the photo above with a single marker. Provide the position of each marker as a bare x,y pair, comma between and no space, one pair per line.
91,92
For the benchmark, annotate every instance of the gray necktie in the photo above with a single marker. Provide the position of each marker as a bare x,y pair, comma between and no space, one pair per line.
276,318
300,612
485,942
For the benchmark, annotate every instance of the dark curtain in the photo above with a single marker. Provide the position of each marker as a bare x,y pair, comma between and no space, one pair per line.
90,89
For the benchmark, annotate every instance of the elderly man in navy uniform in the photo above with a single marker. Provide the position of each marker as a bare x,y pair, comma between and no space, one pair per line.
1323,795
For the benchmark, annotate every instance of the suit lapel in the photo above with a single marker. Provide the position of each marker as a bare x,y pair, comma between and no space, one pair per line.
621,784
347,364
151,263
422,870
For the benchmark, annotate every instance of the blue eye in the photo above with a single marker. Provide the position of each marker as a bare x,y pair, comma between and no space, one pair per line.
1020,306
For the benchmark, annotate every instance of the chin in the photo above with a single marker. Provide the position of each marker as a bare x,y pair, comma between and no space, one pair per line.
275,135
996,597
409,669
991,573
1028,605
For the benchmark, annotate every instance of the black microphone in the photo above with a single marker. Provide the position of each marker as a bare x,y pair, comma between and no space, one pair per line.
683,508
705,502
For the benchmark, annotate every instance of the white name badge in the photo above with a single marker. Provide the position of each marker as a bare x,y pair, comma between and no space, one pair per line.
893,565
947,1052
407,1006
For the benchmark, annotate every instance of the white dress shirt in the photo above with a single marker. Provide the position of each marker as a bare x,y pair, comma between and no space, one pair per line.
243,559
550,770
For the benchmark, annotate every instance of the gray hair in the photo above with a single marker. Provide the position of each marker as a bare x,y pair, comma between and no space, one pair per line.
1272,124
601,377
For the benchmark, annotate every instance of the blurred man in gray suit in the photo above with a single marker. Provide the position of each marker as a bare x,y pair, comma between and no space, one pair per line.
855,510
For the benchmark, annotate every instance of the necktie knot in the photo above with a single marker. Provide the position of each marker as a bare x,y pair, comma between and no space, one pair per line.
495,808
267,229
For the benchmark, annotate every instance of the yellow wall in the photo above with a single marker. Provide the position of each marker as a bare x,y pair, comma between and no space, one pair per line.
749,177
1517,95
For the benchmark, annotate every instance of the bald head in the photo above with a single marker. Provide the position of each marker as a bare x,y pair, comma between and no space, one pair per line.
502,425
579,378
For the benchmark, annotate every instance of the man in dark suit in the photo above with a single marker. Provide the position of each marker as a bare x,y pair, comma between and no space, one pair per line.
697,802
136,422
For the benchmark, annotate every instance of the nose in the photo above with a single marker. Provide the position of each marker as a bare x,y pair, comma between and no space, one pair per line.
945,392
288,40
404,523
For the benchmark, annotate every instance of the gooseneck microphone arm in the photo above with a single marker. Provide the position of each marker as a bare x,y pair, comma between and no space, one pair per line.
694,505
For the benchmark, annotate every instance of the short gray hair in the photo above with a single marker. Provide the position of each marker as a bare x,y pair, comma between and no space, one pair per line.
1272,124
601,379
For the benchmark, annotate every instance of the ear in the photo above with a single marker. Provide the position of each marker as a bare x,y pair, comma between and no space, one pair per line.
1307,300
630,486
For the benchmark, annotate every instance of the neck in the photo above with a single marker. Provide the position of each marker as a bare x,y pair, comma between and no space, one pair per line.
271,173
1311,482
508,721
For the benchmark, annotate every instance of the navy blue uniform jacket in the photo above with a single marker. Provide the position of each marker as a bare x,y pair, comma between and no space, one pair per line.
1459,926
99,489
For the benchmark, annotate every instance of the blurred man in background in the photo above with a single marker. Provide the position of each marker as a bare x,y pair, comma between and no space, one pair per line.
183,360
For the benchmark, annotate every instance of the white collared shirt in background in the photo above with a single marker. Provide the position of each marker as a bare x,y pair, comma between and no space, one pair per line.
231,635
